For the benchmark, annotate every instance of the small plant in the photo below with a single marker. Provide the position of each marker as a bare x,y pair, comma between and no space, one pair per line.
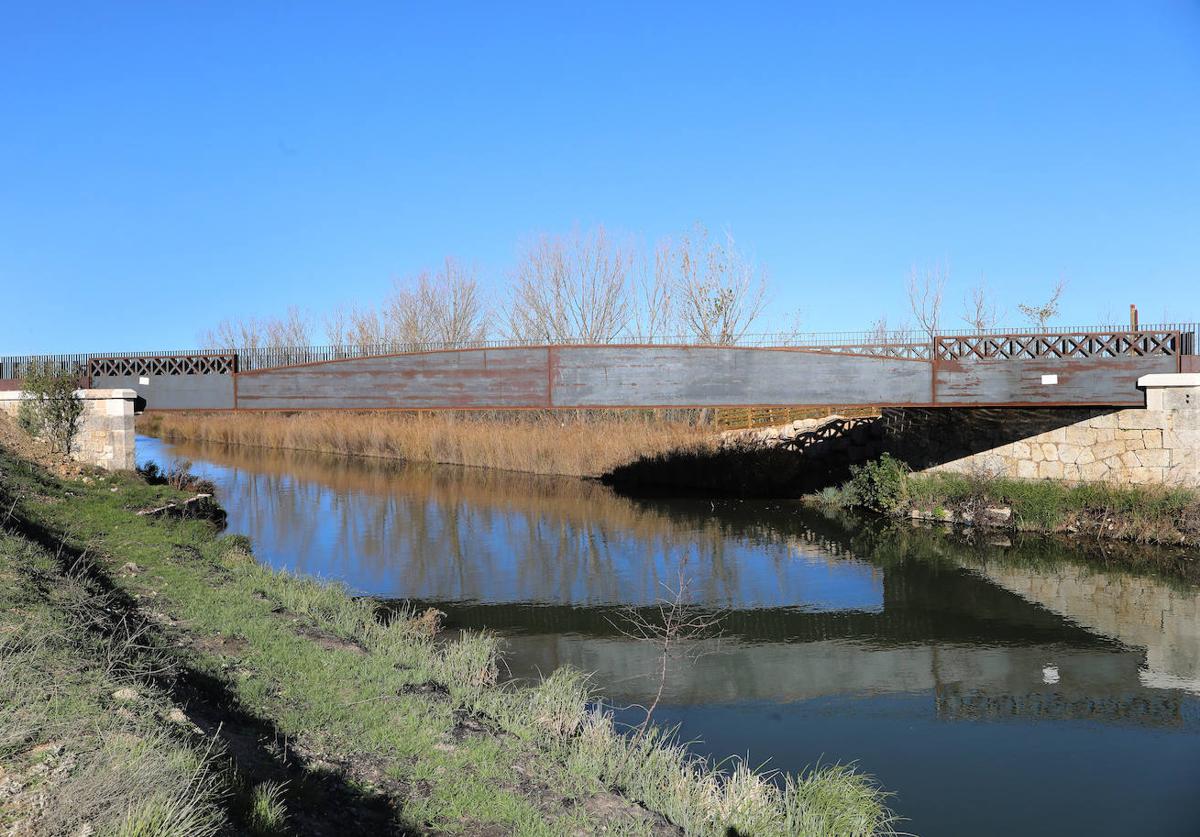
235,543
50,408
881,485
151,473
268,812
177,475
834,497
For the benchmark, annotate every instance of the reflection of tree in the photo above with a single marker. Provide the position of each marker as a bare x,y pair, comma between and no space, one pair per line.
458,534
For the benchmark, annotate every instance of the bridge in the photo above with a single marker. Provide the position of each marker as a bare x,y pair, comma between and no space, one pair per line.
1067,367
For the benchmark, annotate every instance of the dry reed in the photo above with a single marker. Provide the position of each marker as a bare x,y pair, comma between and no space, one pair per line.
571,444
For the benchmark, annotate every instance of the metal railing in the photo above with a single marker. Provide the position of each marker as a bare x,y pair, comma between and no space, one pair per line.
908,344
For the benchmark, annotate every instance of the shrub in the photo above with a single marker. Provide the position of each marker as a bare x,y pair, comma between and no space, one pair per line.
881,485
50,408
177,475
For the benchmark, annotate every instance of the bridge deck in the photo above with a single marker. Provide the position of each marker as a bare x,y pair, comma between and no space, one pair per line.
1092,368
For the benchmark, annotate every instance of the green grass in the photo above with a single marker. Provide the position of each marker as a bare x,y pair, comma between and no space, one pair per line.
1148,514
346,688
78,755
1139,512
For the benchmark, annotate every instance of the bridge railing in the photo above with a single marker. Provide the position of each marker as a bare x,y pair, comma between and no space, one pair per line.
1013,343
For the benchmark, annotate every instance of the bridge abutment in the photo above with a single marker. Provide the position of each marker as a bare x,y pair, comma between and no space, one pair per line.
1158,444
105,436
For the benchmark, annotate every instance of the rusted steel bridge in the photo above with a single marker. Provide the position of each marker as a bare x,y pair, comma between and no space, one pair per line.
1070,367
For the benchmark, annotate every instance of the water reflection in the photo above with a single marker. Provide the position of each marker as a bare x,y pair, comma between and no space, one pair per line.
884,635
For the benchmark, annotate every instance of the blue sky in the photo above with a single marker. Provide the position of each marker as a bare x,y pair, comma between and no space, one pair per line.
163,165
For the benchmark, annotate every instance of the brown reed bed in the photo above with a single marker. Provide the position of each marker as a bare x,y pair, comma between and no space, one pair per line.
579,444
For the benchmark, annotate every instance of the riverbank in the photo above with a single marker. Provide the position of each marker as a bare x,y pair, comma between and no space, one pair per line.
569,444
1140,514
273,699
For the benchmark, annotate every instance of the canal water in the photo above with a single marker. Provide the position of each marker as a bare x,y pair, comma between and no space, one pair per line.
995,689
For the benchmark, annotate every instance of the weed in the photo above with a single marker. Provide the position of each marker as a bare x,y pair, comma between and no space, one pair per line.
268,809
880,485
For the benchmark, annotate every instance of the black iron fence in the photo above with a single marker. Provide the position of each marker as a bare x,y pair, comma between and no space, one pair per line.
916,345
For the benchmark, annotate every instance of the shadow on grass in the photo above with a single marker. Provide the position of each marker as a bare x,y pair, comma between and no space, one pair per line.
321,799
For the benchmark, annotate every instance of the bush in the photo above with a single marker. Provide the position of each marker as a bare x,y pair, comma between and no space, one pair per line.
177,475
50,408
881,485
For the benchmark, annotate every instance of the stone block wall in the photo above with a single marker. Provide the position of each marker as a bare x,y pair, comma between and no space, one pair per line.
1155,445
106,436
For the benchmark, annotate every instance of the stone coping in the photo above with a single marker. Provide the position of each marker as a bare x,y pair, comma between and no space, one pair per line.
85,394
1177,379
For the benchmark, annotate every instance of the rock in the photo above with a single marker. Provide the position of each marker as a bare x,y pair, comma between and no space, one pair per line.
177,716
125,693
998,513
130,568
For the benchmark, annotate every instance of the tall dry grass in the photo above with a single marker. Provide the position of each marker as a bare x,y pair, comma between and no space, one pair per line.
571,444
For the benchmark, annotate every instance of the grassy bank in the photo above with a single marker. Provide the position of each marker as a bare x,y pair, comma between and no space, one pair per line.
1142,514
572,444
181,688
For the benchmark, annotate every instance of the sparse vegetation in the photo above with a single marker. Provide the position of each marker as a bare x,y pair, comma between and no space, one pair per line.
83,744
411,729
1145,514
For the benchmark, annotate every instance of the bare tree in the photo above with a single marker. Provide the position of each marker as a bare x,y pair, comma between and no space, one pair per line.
720,292
441,308
336,326
653,290
925,290
575,286
980,311
883,333
793,333
290,330
230,334
676,629
365,328
252,333
1040,315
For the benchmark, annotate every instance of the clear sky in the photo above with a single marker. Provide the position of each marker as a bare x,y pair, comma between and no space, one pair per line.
165,164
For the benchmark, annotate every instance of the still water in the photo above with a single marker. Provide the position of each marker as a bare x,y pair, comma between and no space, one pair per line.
995,689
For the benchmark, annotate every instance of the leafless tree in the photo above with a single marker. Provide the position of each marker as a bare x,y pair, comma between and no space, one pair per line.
653,309
720,292
883,333
793,333
229,334
292,329
980,311
925,290
365,328
574,286
677,628
253,333
448,306
336,326
1040,315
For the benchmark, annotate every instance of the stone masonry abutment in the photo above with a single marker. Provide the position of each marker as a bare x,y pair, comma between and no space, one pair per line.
105,437
1158,444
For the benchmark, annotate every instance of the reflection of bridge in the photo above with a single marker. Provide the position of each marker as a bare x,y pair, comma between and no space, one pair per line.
1098,367
815,606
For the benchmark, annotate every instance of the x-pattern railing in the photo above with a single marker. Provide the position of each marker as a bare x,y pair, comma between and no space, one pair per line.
170,365
1110,344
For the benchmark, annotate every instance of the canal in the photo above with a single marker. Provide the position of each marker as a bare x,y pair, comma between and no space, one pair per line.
993,688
